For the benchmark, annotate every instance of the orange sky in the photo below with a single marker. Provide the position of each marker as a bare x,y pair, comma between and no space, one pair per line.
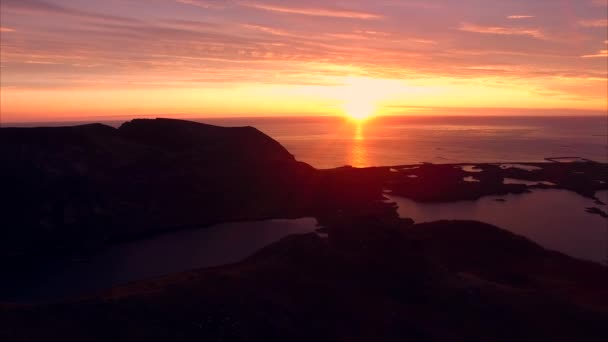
78,60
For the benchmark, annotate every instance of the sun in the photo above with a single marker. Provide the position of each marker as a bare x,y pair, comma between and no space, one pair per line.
361,96
359,108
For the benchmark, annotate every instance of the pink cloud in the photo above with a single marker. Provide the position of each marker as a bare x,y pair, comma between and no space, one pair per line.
204,3
266,29
500,30
313,11
516,17
594,23
602,53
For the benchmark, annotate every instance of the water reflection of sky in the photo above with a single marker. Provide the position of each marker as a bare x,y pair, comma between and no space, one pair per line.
162,254
555,219
327,142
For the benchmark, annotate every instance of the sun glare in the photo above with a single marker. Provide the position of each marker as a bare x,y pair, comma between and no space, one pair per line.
361,96
359,109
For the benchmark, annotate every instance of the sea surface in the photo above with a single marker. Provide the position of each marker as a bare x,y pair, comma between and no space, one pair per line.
327,142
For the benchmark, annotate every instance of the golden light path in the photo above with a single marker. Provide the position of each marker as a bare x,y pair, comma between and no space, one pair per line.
358,156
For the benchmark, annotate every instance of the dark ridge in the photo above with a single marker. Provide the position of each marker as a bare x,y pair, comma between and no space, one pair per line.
74,189
81,187
232,142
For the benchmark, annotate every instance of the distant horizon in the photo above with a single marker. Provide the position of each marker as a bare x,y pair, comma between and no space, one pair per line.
334,141
437,112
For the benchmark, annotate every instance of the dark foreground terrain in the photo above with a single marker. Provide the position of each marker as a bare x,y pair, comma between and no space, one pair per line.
369,280
367,276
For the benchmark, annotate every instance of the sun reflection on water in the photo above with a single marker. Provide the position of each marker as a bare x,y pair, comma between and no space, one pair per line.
358,156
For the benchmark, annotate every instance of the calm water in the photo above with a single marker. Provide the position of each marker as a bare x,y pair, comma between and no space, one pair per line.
327,142
163,254
555,219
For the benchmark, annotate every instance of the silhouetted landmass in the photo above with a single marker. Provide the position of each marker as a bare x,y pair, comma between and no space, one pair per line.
91,184
73,190
80,187
69,187
444,182
597,211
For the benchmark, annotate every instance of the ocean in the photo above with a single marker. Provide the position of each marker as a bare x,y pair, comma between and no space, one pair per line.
327,142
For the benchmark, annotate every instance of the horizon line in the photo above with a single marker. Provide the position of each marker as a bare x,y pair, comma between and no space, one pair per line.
124,118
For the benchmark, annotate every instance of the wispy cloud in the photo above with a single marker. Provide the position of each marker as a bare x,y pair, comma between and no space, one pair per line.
6,29
594,23
602,53
210,4
43,7
313,11
266,29
414,4
602,3
500,30
517,17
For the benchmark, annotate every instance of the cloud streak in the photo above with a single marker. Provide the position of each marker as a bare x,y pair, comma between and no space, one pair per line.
207,4
517,17
602,53
312,11
594,23
501,30
47,8
600,3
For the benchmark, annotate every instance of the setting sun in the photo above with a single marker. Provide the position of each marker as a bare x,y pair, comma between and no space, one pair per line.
161,154
359,109
361,96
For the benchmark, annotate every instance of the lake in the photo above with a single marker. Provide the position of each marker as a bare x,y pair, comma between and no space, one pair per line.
555,219
151,257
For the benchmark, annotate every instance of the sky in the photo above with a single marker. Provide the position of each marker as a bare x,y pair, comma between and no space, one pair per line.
76,59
